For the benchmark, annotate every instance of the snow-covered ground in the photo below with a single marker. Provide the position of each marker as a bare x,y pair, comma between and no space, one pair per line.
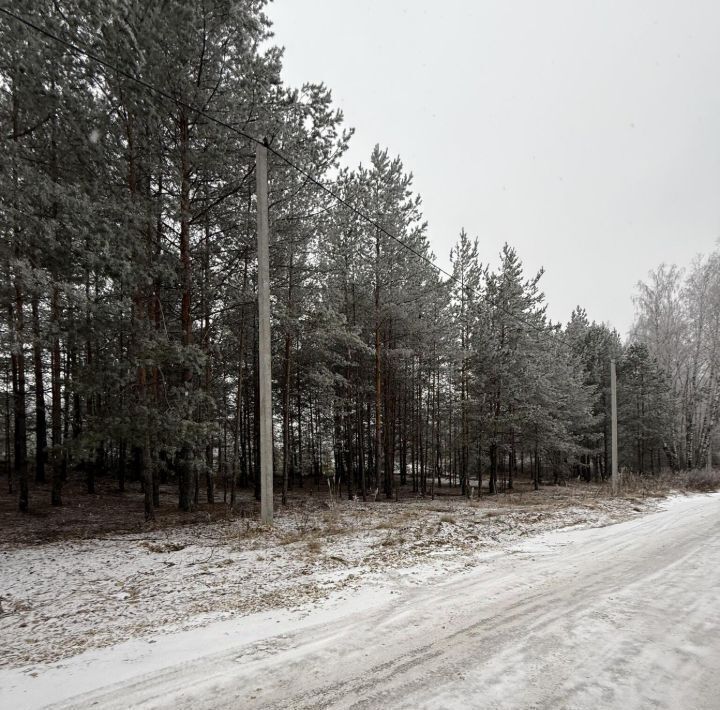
460,605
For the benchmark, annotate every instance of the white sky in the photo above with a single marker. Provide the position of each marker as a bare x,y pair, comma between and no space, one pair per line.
586,133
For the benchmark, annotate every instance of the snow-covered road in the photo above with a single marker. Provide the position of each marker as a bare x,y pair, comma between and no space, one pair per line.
625,616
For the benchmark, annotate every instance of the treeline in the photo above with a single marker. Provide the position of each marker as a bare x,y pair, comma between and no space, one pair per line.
678,320
127,220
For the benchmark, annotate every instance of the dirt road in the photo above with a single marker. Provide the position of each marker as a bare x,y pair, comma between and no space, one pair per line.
626,616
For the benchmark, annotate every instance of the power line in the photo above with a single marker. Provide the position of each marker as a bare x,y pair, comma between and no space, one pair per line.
288,161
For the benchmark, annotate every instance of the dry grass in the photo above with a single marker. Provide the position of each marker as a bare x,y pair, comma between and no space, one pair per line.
705,481
646,486
334,523
313,546
400,519
392,540
661,485
110,514
291,537
390,524
165,546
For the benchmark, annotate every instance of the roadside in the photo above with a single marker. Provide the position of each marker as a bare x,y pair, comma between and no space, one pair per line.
622,616
64,597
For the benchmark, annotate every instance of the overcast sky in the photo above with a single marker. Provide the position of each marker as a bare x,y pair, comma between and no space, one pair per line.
586,133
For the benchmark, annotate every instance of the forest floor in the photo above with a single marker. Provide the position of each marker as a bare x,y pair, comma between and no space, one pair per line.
72,581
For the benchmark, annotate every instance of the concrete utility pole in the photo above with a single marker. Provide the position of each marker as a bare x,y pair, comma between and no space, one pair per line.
613,410
264,365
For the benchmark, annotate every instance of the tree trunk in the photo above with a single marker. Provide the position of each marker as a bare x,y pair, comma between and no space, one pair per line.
40,420
58,457
17,360
147,464
186,285
286,415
